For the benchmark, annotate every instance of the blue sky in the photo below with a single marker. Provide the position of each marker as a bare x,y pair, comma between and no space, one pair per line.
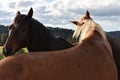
58,13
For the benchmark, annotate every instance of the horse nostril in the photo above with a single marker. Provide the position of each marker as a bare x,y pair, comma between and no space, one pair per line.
7,52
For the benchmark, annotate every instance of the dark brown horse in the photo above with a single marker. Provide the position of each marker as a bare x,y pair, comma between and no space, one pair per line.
28,32
91,59
116,52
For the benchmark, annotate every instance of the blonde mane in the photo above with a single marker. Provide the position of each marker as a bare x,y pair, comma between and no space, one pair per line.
89,25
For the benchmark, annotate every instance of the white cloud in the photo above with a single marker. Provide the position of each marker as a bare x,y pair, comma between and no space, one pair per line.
60,12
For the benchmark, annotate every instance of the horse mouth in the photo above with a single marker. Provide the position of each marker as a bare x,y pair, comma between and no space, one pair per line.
7,52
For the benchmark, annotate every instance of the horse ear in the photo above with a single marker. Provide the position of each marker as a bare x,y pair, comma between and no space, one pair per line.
18,13
30,13
75,22
87,15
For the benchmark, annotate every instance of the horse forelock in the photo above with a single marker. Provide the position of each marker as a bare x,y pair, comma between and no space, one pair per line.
89,25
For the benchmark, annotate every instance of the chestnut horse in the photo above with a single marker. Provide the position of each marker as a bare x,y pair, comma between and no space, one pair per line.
91,59
115,45
28,32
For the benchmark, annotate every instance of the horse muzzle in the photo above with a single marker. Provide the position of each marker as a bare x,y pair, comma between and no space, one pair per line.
7,52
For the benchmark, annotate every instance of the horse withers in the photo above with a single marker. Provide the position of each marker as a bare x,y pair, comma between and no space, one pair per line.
25,31
91,59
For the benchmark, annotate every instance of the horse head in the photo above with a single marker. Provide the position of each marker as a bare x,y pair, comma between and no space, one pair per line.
18,33
85,25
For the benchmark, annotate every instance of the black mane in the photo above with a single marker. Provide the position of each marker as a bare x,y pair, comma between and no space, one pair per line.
40,33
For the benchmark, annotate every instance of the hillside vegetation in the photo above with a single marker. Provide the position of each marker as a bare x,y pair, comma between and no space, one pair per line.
58,32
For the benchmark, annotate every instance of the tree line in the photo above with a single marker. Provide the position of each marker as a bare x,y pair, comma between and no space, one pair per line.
58,32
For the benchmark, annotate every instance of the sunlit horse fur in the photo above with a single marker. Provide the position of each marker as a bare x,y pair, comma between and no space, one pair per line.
27,32
91,59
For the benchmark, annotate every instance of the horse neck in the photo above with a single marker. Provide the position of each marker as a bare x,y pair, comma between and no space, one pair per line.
89,36
95,34
39,37
89,28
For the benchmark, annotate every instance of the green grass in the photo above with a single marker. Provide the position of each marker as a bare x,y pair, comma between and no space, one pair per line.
1,56
23,50
1,49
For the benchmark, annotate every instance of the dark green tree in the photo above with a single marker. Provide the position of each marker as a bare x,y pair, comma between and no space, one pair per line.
3,38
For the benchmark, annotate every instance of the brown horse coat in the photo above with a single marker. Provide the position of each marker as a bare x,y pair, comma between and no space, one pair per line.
91,59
